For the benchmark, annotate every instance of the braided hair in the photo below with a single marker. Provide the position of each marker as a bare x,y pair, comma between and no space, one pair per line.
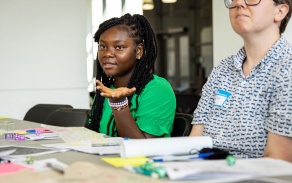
138,28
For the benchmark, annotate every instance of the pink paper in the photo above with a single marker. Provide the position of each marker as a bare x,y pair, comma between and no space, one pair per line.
9,168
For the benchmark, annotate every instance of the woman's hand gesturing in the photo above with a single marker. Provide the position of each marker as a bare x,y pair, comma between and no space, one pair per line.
116,94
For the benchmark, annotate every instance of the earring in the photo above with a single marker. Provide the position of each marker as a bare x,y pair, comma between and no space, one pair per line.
138,57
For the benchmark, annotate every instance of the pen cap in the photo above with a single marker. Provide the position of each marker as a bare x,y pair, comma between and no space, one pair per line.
164,146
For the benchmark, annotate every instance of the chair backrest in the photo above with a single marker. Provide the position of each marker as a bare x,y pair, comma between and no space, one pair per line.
186,102
40,112
68,117
182,125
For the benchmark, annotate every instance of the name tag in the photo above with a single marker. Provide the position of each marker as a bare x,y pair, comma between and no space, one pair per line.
221,97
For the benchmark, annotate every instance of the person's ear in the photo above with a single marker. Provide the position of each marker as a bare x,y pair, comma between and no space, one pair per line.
139,51
281,12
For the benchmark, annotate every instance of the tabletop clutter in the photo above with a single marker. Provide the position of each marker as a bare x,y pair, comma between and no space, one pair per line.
160,158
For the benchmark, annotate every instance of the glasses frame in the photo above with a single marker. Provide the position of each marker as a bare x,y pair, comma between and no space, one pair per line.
244,2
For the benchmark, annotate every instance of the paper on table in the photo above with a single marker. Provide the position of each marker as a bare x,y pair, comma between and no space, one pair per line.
82,139
77,136
6,152
207,169
164,146
21,151
102,150
42,136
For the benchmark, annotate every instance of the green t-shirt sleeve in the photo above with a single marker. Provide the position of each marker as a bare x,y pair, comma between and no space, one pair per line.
156,109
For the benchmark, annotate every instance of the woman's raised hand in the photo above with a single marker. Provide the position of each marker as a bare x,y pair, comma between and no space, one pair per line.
115,94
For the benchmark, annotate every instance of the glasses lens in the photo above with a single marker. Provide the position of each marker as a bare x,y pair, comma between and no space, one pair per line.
232,3
252,2
229,3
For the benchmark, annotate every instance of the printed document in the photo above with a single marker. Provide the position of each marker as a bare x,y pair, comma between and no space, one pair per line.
206,169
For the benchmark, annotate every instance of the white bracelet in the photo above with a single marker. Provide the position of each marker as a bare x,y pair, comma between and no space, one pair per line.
118,105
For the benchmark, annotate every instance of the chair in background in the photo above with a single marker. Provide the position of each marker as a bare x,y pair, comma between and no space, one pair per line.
68,117
181,125
186,102
40,112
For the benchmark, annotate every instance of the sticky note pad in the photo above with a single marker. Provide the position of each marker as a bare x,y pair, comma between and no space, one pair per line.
120,162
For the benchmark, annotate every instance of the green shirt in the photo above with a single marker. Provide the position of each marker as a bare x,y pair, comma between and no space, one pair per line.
156,110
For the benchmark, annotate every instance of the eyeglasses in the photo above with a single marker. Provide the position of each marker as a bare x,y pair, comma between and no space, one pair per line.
232,3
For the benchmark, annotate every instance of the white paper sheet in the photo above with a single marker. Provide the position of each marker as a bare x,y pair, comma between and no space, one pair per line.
102,150
164,146
85,140
6,152
42,136
206,169
22,151
76,135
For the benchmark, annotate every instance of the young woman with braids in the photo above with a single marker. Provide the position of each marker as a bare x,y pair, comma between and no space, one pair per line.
130,100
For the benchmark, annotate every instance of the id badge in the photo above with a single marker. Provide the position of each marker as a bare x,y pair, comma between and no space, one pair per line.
221,97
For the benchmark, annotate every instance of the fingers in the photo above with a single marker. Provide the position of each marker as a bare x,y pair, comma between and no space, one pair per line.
114,93
103,89
123,92
99,84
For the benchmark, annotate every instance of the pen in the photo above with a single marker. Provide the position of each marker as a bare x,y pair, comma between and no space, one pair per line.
34,131
30,131
182,158
105,144
56,167
141,171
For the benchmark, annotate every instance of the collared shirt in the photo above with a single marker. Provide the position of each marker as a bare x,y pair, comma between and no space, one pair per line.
238,111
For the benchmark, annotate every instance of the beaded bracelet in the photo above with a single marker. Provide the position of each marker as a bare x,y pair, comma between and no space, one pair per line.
120,108
118,105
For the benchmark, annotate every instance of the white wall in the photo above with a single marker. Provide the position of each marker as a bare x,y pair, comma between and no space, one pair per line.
225,41
43,54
